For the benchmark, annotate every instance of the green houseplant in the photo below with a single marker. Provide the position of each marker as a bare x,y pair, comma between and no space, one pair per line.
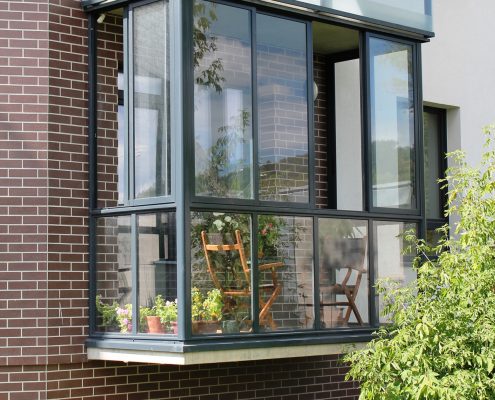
206,310
166,311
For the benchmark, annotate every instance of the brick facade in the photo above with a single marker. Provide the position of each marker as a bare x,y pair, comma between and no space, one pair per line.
44,243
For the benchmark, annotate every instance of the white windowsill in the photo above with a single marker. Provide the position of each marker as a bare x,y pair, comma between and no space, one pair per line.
217,356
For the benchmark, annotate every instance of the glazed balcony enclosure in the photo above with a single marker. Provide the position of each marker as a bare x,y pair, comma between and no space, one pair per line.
253,169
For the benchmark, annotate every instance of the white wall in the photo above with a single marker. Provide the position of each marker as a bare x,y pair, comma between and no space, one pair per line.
459,70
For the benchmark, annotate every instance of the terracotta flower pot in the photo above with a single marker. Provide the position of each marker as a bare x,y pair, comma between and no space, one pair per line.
173,328
204,327
154,325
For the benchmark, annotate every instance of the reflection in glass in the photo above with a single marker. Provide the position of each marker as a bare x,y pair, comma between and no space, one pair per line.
392,124
113,275
393,258
285,265
283,109
343,246
221,273
222,101
151,72
432,160
110,103
157,273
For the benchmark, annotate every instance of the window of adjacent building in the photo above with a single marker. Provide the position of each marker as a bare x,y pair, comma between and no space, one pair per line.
435,164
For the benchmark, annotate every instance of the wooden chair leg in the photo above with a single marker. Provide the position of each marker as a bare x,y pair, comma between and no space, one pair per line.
352,308
265,313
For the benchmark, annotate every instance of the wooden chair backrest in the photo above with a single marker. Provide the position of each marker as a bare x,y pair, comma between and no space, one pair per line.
347,253
237,246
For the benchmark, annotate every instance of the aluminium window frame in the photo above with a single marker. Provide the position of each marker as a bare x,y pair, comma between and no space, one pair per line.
132,207
184,201
417,128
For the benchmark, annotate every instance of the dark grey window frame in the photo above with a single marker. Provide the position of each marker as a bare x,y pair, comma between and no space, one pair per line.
183,199
418,129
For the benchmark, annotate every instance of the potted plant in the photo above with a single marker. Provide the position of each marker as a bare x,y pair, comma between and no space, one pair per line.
206,311
107,314
124,318
166,312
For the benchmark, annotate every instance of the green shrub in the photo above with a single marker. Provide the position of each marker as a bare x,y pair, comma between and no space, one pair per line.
441,340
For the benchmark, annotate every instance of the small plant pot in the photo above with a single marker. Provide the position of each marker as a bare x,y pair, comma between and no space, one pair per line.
173,328
155,325
230,327
204,327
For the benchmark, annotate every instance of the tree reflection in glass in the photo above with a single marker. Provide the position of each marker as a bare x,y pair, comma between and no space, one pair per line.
392,124
222,101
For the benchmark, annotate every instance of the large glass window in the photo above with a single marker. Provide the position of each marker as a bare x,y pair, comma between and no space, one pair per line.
157,273
114,275
393,147
282,109
223,133
285,270
136,256
393,255
134,137
151,121
344,278
293,204
221,273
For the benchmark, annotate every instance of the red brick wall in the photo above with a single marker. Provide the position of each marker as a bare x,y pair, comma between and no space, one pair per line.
289,379
68,182
43,239
23,181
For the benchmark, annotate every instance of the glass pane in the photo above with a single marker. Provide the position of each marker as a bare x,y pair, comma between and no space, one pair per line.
393,259
282,109
113,275
151,63
285,265
222,101
432,160
344,278
157,273
393,148
410,13
348,135
221,273
110,112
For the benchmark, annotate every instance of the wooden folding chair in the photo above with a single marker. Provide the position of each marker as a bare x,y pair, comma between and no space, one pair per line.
270,291
354,260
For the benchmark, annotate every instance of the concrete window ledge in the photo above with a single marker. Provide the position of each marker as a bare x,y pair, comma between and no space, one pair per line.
215,356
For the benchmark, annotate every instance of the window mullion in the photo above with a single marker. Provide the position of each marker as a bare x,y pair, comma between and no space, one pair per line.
129,114
254,84
134,273
316,272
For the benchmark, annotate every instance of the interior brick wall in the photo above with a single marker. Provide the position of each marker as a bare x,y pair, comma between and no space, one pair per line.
320,75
